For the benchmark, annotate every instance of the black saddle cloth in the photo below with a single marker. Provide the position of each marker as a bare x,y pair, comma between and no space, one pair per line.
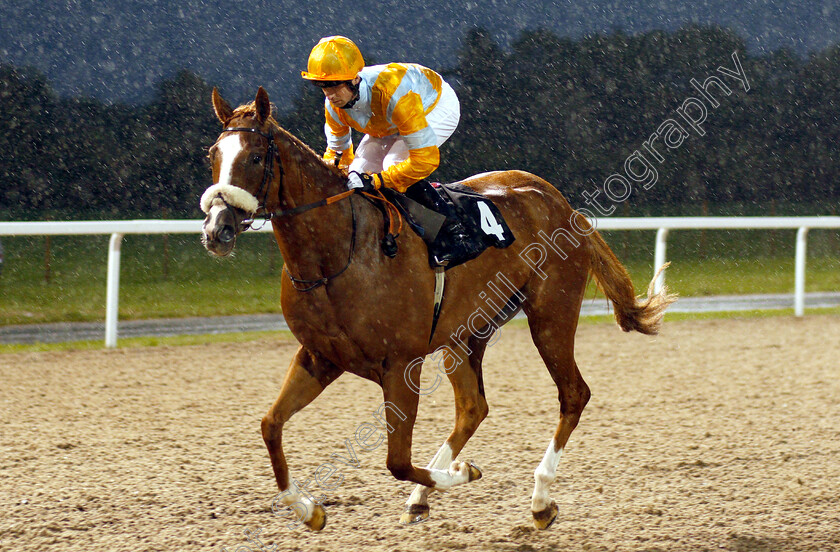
482,220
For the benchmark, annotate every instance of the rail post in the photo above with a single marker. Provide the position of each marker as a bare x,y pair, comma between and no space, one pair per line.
799,285
112,295
659,257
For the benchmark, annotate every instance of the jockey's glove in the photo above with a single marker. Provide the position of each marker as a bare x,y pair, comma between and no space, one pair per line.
364,181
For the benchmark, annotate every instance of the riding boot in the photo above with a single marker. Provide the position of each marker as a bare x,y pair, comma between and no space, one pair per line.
460,244
425,194
457,245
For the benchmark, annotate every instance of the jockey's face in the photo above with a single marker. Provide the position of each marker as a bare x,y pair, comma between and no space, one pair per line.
340,95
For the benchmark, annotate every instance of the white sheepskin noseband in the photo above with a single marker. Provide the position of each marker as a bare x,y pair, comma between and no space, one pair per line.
233,196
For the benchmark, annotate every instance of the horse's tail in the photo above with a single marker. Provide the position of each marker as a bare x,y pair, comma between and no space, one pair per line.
641,314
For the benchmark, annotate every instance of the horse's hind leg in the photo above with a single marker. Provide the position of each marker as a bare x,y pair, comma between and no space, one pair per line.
307,376
470,410
553,322
574,394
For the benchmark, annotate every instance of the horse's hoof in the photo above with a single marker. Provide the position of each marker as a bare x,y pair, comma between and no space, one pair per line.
475,473
318,519
544,519
416,513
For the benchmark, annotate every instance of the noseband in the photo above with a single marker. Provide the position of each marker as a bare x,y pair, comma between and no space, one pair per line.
262,194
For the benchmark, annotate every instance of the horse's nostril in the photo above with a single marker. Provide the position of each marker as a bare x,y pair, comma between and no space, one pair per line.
226,235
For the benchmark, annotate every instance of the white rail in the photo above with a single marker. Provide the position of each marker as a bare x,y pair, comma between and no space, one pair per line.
662,225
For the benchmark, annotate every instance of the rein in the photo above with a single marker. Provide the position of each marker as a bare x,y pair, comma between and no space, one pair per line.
303,285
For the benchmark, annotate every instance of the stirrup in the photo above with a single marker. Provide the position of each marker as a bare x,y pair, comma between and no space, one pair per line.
461,247
456,229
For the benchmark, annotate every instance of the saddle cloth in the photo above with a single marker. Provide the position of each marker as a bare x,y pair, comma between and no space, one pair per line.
481,218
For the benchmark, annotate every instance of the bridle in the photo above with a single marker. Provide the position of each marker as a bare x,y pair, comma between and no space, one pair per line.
268,174
299,284
268,169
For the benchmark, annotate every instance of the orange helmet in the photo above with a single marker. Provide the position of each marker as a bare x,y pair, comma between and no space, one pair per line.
334,58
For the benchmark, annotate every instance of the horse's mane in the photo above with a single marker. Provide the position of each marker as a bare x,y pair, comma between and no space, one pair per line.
308,157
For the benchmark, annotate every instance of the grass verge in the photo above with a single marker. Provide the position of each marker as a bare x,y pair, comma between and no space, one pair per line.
244,337
63,278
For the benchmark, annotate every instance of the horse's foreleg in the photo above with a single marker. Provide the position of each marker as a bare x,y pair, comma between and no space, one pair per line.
307,376
400,415
470,410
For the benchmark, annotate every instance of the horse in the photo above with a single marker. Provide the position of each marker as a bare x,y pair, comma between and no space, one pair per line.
355,310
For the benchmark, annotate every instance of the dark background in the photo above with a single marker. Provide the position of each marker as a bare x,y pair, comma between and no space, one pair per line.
120,50
106,111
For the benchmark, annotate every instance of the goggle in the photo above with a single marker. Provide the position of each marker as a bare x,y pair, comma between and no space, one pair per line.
329,84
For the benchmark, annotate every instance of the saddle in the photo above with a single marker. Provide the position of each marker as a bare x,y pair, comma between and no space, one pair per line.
456,222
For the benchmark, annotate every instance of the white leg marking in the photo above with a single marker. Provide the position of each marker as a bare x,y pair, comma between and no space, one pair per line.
544,477
458,474
442,459
229,148
301,506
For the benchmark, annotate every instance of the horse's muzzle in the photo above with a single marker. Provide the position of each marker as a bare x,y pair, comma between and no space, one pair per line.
219,231
227,234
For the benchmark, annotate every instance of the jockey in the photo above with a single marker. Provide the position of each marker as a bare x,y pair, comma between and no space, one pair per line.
406,112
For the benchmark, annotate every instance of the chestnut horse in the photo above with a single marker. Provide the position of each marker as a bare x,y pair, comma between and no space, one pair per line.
356,310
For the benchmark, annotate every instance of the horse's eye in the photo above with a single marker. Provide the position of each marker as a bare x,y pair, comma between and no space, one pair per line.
256,159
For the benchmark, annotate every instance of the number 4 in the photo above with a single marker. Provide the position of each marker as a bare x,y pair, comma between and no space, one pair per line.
489,223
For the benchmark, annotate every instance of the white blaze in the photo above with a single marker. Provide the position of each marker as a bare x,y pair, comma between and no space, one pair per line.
228,148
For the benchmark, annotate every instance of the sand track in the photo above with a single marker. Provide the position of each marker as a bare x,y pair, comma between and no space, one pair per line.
716,435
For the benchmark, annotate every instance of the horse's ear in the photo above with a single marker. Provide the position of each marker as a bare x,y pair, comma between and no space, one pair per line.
263,105
223,110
